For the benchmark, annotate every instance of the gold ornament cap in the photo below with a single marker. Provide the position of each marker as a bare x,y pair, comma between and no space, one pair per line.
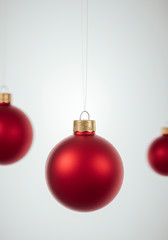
5,97
165,130
84,125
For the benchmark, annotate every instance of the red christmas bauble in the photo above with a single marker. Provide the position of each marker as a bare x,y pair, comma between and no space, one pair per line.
158,154
16,132
84,172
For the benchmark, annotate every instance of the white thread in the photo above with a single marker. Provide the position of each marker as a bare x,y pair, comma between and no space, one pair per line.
84,28
4,47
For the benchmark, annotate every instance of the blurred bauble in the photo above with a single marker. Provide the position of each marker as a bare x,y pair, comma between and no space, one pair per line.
16,132
158,153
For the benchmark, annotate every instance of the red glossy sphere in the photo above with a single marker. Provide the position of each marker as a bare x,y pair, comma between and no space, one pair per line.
158,155
16,134
84,172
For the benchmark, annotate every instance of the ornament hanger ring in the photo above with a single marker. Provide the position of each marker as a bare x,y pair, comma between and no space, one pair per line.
4,89
87,114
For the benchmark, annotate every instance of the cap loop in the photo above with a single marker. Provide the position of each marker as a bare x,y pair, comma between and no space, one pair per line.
4,89
82,114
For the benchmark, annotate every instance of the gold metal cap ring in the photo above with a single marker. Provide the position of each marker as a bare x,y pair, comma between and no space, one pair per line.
5,97
84,125
165,130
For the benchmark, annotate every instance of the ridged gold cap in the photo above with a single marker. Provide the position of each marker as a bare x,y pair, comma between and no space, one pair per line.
5,97
165,130
84,126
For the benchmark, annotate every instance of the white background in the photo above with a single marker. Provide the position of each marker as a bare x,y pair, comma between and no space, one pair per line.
127,96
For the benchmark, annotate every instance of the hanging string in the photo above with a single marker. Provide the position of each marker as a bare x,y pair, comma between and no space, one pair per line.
84,28
4,48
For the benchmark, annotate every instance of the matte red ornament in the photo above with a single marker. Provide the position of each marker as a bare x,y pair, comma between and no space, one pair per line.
16,132
158,154
84,172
